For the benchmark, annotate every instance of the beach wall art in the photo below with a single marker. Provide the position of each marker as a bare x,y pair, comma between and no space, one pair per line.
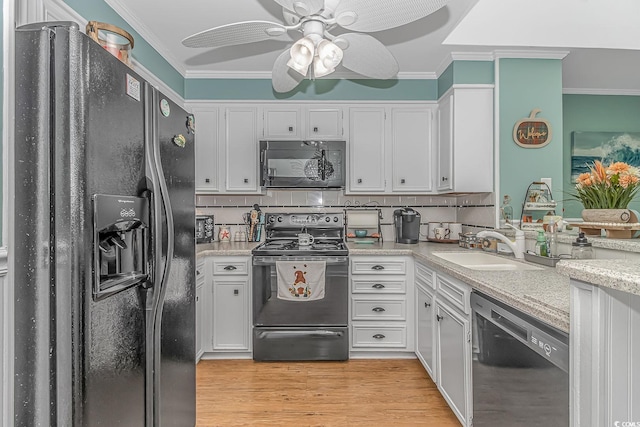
608,147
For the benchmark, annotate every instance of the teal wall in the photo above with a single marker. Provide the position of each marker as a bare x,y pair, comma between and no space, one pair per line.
98,10
595,113
324,89
525,84
465,72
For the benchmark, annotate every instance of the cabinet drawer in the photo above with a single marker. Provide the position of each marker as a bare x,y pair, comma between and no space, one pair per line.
231,266
384,285
455,292
379,336
371,309
424,275
378,267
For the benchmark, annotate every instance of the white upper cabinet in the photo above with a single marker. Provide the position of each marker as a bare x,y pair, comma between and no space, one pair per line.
411,140
302,122
465,143
207,146
282,123
324,123
390,149
366,150
241,149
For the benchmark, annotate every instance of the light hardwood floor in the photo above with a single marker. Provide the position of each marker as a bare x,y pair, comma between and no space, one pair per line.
354,393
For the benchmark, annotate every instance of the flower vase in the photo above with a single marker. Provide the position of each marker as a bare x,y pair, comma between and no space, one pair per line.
607,215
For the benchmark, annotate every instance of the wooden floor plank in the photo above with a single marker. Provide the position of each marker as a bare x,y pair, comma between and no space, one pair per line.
351,393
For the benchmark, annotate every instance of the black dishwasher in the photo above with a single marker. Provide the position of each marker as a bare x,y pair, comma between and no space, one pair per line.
520,368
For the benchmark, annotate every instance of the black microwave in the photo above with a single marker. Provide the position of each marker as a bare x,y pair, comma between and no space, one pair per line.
302,164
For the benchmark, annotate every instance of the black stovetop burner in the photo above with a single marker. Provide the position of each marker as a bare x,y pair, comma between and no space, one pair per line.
291,247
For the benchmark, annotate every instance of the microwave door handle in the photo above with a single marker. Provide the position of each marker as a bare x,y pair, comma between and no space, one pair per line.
323,173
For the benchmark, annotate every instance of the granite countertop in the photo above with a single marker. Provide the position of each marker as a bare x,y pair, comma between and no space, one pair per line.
225,248
543,294
619,274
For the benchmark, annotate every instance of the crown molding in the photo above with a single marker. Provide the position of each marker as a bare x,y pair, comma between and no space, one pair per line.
473,56
591,91
119,6
531,54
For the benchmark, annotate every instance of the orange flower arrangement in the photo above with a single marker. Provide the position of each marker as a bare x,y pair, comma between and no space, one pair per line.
612,187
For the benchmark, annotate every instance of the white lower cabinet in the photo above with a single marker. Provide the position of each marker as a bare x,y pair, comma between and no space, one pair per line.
225,314
381,318
200,284
443,336
604,363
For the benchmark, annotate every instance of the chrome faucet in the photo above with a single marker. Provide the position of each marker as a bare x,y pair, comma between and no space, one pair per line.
517,246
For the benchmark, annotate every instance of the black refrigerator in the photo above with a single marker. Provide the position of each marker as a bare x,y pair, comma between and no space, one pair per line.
104,240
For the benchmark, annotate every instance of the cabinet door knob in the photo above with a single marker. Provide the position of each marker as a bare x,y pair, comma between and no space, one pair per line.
378,309
197,272
231,267
290,128
359,180
379,336
246,180
402,181
315,129
377,267
427,305
378,286
197,299
439,318
236,292
207,180
444,178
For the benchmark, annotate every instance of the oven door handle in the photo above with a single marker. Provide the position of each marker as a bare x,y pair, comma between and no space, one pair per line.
305,333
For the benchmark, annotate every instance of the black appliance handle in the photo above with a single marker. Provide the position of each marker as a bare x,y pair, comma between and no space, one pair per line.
323,160
156,293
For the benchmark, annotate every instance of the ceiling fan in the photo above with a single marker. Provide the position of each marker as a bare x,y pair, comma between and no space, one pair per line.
319,52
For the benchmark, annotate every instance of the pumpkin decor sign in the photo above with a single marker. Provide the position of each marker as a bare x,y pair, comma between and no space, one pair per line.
532,132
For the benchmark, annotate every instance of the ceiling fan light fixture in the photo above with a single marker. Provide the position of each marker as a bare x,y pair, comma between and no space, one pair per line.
320,69
329,53
302,53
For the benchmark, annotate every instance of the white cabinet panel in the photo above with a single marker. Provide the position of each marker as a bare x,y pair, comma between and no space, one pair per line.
379,336
230,313
425,315
324,123
241,149
465,143
366,150
454,359
207,145
411,140
282,123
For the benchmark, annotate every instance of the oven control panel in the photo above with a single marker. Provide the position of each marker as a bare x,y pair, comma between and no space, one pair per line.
314,220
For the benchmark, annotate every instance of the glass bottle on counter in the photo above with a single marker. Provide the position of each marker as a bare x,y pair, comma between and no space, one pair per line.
581,248
552,238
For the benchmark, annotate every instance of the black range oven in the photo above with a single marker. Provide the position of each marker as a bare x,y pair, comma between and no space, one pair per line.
296,329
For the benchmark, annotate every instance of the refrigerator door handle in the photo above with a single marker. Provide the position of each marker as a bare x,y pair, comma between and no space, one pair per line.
156,294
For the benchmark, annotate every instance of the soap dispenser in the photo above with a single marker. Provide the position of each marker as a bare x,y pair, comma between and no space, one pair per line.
581,248
541,244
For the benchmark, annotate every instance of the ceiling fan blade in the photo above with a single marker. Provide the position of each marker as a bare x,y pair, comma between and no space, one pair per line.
302,7
283,78
237,33
375,15
367,56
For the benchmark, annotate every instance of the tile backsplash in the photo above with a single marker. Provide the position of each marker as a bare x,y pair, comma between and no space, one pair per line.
474,211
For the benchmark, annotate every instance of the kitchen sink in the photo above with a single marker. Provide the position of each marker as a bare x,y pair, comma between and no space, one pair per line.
484,261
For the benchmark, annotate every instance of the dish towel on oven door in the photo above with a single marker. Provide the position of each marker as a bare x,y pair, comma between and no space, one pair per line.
301,280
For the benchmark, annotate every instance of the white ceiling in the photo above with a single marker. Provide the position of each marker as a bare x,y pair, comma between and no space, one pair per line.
602,41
